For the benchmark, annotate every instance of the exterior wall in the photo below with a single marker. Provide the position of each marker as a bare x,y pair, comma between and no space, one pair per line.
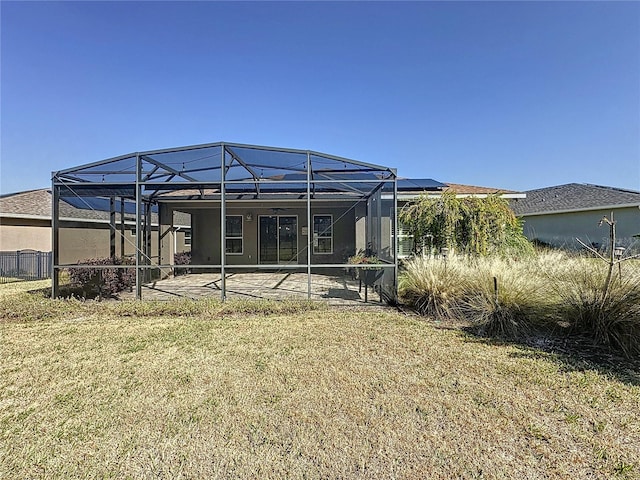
78,240
206,234
25,234
561,229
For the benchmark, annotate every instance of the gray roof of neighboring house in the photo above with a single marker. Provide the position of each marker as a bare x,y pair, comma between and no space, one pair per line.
574,197
37,204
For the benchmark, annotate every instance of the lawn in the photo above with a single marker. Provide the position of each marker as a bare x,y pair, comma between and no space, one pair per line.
123,390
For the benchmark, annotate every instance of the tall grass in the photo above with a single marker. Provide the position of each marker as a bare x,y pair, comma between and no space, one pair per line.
513,298
503,298
432,287
611,315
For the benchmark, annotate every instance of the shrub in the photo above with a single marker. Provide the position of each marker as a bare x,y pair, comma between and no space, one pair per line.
431,286
505,299
181,258
552,292
610,316
103,281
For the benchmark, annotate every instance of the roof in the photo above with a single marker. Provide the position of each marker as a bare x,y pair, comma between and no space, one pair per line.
37,204
574,197
461,189
245,168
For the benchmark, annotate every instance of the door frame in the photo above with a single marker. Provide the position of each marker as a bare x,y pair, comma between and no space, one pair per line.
277,216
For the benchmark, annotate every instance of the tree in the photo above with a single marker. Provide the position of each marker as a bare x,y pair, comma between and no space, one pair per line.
471,225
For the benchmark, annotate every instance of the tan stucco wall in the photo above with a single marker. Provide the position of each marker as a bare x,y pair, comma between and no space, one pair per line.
205,247
78,240
561,229
25,235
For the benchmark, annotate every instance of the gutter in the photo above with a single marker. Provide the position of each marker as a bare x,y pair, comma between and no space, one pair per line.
576,210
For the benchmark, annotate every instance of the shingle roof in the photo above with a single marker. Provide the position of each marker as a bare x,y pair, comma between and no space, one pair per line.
37,203
461,189
573,197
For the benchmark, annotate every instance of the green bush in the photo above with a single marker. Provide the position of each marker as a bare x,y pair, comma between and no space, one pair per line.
102,281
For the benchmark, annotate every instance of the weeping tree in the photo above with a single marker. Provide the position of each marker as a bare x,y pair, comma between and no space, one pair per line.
471,225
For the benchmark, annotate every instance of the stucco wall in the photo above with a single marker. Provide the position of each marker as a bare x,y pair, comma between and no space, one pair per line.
206,234
17,234
561,229
78,240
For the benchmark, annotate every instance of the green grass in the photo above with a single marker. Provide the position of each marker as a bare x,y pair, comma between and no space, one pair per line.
129,390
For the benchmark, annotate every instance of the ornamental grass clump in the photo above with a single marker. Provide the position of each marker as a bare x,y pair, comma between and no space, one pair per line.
504,298
609,315
433,287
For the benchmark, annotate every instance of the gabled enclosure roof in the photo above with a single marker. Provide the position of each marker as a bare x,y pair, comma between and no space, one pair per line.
243,168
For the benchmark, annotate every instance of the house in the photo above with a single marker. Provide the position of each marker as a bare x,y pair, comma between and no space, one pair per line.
84,226
557,215
252,209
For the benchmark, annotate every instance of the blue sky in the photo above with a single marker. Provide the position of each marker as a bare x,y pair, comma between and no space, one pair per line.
514,95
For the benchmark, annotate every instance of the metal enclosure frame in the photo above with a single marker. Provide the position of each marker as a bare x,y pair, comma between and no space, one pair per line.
222,173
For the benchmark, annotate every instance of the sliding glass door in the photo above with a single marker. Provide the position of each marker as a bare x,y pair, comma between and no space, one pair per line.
278,242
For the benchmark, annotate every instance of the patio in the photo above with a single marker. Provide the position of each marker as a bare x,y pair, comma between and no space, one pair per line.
334,289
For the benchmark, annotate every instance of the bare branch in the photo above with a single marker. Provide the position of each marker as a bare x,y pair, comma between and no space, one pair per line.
629,258
591,249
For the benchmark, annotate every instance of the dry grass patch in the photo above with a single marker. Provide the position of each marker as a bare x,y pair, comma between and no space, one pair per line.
313,394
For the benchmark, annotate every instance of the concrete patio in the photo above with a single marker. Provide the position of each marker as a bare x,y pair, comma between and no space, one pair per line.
336,290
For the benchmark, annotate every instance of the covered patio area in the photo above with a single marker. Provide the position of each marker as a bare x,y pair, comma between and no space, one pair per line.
264,222
338,289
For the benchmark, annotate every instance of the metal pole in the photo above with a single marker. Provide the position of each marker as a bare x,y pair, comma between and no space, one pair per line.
223,225
395,237
309,227
137,227
147,240
55,243
121,227
112,227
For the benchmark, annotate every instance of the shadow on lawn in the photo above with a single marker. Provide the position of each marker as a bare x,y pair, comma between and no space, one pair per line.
574,353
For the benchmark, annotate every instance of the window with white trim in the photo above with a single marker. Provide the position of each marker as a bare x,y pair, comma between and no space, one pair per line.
233,235
323,234
405,239
187,237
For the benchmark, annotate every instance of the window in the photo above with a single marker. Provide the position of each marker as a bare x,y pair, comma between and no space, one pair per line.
187,237
233,239
322,234
405,241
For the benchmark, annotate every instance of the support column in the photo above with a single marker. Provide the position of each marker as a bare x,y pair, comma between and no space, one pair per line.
112,227
166,237
147,241
122,227
309,226
223,225
138,229
395,236
55,238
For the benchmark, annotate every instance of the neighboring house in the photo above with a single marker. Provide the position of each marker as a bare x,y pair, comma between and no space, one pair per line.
85,226
475,191
558,215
